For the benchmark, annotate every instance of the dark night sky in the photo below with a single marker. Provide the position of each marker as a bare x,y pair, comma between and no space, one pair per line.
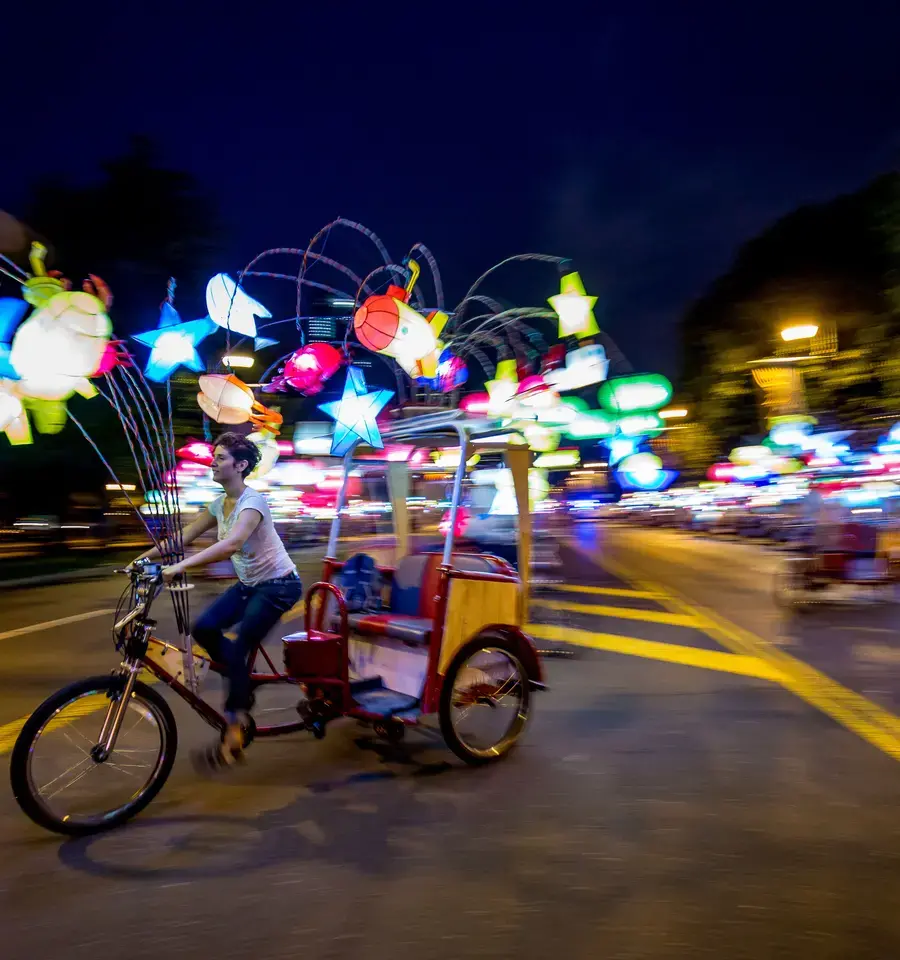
644,140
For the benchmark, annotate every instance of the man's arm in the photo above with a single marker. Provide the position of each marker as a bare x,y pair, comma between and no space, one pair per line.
196,528
247,521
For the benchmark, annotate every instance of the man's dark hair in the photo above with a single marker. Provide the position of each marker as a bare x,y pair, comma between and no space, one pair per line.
241,449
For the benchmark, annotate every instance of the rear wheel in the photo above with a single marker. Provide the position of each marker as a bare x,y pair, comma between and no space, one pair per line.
58,775
485,701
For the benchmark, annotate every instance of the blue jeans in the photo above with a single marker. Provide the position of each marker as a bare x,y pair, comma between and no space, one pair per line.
258,609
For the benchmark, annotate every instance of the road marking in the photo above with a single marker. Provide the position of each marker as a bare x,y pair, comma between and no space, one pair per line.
620,613
9,732
747,666
49,624
853,711
605,591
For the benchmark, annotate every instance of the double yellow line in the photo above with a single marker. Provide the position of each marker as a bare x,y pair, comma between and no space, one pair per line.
853,711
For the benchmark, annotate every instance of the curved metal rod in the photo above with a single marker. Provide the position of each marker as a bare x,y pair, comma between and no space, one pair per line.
339,222
540,257
523,313
296,251
293,279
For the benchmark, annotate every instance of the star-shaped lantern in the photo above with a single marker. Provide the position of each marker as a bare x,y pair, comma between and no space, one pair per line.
502,388
574,308
354,414
173,344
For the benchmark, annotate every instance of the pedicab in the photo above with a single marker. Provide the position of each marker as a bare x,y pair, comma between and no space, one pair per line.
434,635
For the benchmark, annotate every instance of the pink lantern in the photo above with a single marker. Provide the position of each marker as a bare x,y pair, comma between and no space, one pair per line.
721,472
110,359
196,451
476,403
309,367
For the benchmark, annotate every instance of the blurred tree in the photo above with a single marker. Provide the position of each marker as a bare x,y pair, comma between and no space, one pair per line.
836,263
138,225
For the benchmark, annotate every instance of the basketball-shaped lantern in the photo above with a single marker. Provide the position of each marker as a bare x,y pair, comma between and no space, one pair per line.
376,322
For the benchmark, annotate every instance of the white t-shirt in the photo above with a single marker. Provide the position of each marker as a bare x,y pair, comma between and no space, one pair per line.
262,557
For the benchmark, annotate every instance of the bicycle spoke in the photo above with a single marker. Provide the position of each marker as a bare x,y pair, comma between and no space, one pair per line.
86,790
80,776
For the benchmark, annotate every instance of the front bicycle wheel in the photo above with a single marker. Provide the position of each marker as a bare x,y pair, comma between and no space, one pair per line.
62,782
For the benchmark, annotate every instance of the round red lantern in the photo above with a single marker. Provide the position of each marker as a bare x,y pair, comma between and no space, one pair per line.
377,320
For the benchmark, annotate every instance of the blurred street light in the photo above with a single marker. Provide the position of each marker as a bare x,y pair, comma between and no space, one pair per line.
235,360
800,331
673,413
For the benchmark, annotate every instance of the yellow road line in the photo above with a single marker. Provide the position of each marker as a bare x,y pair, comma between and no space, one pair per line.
620,613
605,591
9,732
747,666
853,711
49,624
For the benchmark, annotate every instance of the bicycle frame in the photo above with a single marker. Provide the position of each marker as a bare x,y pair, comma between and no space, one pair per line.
134,634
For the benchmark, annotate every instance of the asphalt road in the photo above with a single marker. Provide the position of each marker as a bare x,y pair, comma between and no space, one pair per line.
707,777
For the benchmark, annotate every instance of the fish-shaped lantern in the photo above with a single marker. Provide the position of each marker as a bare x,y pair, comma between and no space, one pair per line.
230,307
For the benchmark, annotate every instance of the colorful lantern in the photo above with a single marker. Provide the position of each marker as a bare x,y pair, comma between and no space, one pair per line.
13,419
476,404
583,367
196,451
386,324
554,358
541,439
619,448
635,394
644,471
268,448
174,344
504,503
641,425
567,411
354,414
449,457
11,313
452,372
226,399
59,346
502,389
41,288
558,460
590,425
535,393
309,368
574,308
231,308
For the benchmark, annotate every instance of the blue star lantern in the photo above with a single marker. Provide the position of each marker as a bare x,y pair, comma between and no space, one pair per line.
354,414
174,344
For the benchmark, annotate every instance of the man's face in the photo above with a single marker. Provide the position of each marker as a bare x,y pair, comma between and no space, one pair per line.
224,467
